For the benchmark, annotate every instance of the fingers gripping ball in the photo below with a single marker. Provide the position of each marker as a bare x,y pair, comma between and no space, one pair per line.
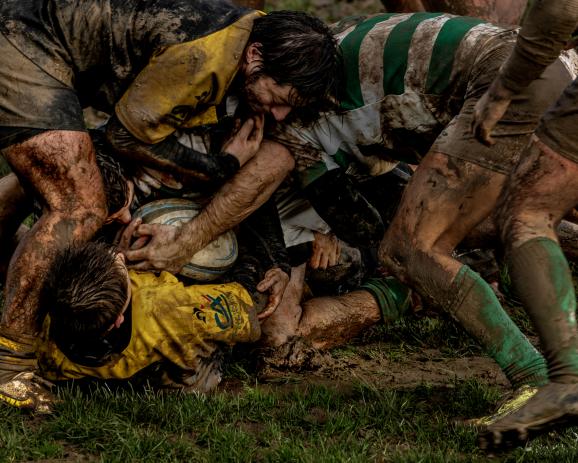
210,262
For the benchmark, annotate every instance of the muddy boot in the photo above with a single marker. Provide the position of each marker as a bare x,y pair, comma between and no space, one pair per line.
555,404
27,391
512,403
20,386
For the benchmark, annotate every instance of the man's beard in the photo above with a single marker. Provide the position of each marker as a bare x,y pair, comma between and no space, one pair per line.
249,95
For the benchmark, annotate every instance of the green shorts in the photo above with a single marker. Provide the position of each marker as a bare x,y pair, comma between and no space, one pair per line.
31,98
513,131
559,126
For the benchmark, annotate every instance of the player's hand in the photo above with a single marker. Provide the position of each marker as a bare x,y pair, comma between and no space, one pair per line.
275,281
326,251
246,141
489,110
153,247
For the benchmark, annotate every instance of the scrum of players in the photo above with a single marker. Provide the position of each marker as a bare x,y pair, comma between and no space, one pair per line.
379,161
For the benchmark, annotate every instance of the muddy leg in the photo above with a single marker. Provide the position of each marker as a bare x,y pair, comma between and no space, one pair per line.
542,189
332,321
444,200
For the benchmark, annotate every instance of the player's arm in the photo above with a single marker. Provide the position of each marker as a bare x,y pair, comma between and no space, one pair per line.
180,87
546,30
171,156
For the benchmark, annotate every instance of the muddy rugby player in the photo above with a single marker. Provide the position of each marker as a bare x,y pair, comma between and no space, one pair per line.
411,83
156,66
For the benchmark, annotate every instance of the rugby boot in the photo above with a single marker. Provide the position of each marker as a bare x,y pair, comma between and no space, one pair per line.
554,405
20,387
28,391
511,404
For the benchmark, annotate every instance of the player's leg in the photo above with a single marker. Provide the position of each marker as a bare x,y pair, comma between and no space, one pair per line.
542,189
444,200
328,322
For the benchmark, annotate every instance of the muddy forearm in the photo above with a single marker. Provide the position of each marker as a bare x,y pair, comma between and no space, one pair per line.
546,30
171,156
238,198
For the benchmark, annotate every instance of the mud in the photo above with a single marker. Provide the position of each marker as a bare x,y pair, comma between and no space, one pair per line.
373,363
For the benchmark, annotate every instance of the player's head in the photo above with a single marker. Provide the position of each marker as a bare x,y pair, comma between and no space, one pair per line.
292,61
86,291
118,188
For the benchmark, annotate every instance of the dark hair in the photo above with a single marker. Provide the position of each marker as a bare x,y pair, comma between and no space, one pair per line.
84,292
112,172
299,49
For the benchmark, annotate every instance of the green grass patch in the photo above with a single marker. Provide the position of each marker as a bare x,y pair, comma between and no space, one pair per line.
305,423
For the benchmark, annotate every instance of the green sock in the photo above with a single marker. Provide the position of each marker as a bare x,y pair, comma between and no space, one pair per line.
543,281
478,310
392,296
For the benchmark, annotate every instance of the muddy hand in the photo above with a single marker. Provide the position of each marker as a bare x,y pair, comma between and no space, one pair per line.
326,251
489,110
162,249
275,281
247,140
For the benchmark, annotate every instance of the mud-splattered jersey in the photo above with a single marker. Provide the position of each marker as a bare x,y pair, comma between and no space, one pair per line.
172,324
406,77
177,57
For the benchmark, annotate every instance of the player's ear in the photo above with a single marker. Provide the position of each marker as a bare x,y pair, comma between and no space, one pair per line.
253,53
119,320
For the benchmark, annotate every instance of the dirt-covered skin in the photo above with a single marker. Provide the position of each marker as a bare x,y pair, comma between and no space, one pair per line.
444,200
541,190
62,168
497,11
327,322
234,202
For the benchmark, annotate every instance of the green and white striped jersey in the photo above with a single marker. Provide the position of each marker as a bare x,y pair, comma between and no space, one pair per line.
406,76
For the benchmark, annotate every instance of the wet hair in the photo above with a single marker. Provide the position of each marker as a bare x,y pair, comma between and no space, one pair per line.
113,174
84,292
299,49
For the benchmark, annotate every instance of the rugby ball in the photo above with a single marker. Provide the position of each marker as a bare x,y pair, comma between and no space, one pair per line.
209,263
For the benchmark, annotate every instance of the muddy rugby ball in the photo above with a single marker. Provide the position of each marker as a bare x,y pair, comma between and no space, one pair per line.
209,263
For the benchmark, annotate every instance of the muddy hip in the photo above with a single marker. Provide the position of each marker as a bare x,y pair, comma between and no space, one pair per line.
513,132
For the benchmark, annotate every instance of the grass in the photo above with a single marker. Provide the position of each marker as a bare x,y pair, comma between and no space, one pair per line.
309,423
300,421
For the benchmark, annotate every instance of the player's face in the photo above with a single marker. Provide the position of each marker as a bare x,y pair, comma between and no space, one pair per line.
264,95
123,215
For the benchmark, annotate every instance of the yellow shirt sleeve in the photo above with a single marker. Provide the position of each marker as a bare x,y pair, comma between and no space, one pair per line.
183,83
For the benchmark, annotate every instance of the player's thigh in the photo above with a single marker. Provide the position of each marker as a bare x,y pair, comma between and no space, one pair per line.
444,200
540,191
